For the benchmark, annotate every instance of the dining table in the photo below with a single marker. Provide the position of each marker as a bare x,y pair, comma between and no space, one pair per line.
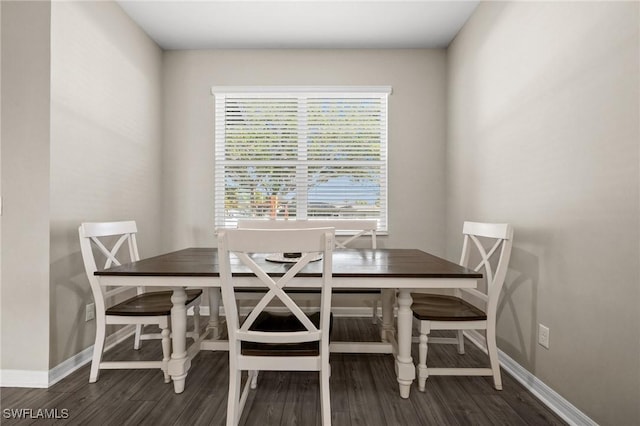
397,272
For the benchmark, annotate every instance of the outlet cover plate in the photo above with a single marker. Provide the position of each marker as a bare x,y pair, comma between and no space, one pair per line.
543,335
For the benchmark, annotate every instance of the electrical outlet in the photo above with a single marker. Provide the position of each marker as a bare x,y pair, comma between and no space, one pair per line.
90,312
543,335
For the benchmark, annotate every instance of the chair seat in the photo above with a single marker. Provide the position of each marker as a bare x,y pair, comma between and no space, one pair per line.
149,304
268,321
435,307
356,291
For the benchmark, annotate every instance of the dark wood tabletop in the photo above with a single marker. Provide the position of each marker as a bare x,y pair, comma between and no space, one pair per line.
369,263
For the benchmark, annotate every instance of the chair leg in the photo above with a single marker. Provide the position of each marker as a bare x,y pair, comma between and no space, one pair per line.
253,376
233,416
196,321
423,373
166,352
460,342
387,301
325,396
137,340
214,312
492,349
374,317
98,347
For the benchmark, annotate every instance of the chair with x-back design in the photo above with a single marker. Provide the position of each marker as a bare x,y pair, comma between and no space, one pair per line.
444,312
142,309
358,231
293,340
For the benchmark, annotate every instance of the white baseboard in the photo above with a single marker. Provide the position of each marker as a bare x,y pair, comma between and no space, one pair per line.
24,379
70,365
45,379
563,408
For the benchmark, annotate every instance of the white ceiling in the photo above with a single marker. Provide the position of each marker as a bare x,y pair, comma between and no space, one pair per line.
300,23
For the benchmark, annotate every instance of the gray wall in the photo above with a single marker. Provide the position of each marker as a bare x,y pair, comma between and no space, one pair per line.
25,188
81,138
106,139
416,130
543,132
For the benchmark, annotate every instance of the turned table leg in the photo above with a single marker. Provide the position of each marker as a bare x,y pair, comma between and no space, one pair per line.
179,363
404,363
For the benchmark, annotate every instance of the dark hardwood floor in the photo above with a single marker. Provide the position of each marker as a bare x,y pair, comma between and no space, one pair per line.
364,391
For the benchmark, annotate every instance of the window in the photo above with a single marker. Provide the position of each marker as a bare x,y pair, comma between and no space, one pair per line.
300,152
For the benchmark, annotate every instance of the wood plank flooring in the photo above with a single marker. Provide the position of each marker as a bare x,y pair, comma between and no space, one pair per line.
364,392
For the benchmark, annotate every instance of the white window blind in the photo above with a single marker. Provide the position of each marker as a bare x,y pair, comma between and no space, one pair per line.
300,153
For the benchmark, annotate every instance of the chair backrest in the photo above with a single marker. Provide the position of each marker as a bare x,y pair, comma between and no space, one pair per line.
492,243
244,244
101,236
359,227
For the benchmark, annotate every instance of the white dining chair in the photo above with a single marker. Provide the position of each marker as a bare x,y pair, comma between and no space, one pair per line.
145,308
293,340
492,244
360,232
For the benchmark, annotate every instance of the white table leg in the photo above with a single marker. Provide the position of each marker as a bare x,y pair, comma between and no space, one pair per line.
405,369
388,300
179,363
214,312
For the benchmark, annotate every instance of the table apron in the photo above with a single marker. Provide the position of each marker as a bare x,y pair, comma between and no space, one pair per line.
301,282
